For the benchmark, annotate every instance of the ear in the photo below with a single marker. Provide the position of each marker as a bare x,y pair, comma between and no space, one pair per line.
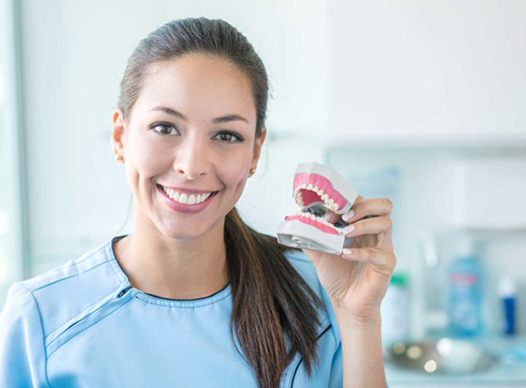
117,133
258,145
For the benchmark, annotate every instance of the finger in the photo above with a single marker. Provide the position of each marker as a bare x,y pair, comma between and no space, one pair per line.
379,257
374,225
368,207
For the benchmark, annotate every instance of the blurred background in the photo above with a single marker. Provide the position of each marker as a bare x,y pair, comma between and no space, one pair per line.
420,101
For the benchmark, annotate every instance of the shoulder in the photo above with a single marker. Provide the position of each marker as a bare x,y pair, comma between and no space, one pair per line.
65,291
303,265
37,310
21,341
20,306
69,271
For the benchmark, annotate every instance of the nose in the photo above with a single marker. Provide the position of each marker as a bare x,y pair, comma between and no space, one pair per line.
191,159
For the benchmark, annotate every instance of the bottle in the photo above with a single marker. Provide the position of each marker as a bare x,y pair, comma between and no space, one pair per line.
465,293
429,313
507,295
395,309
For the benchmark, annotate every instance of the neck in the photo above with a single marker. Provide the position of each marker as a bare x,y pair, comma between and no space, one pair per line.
170,268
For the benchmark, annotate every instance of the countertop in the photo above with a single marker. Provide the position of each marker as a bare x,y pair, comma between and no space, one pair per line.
510,371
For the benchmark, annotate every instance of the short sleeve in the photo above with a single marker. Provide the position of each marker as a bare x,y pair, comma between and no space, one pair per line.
22,354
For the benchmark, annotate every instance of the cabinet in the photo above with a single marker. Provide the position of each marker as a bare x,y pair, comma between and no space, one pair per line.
427,68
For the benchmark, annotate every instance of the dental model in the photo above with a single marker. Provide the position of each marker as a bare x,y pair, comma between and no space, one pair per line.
323,196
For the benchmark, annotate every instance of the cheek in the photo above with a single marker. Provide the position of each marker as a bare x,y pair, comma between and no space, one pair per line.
235,175
143,163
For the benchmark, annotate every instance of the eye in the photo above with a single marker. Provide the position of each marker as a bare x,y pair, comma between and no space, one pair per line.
163,128
229,137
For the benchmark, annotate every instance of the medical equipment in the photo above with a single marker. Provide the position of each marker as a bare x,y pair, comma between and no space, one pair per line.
323,196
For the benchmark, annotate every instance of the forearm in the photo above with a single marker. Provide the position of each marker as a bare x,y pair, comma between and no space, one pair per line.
362,352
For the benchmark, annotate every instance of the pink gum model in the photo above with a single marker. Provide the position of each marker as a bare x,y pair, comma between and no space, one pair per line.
316,184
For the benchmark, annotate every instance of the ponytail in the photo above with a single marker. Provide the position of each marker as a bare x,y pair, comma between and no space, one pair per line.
272,305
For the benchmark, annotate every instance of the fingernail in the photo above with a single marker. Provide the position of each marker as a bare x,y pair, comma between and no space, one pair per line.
347,216
346,252
348,229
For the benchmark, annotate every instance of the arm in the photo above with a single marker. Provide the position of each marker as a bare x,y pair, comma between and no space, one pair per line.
356,282
22,355
362,351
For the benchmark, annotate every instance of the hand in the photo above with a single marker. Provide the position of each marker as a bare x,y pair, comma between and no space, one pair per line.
356,282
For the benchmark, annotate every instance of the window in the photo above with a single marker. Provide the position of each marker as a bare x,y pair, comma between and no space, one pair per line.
11,177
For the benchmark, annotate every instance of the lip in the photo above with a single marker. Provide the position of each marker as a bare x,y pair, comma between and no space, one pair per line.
183,208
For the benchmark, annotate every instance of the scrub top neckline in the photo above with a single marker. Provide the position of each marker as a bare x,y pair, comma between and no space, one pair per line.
158,300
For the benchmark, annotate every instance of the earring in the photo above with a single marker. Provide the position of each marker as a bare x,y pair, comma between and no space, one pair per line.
119,158
252,171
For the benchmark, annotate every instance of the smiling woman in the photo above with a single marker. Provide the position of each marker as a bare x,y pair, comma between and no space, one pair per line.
194,297
213,301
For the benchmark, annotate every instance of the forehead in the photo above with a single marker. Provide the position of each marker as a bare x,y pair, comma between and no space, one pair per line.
198,85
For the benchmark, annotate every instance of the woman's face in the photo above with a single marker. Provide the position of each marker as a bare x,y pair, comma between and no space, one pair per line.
188,144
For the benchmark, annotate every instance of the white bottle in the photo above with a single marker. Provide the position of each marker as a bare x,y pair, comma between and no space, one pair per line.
395,310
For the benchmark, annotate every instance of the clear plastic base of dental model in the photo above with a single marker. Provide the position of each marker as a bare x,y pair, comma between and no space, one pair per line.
297,234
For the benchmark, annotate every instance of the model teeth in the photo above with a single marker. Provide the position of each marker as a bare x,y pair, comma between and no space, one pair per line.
184,198
298,198
329,202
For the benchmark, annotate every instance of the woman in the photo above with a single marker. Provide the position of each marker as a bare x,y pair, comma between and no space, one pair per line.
194,297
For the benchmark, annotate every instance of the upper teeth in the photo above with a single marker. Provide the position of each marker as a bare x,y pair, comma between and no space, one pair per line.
187,199
329,202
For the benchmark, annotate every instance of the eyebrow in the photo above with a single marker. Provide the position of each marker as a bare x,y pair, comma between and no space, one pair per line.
217,120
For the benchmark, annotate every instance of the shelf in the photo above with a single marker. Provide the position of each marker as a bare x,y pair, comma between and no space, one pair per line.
487,232
509,144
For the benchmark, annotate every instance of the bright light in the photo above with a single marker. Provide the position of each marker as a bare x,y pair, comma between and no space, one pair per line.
430,366
444,346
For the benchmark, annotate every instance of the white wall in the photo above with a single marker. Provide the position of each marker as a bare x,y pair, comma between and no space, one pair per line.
421,67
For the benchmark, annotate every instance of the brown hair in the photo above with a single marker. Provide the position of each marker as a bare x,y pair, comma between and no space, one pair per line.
274,310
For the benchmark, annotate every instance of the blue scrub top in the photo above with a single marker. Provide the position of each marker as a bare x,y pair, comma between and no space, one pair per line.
83,325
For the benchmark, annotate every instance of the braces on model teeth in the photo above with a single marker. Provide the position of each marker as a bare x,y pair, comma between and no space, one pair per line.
323,196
